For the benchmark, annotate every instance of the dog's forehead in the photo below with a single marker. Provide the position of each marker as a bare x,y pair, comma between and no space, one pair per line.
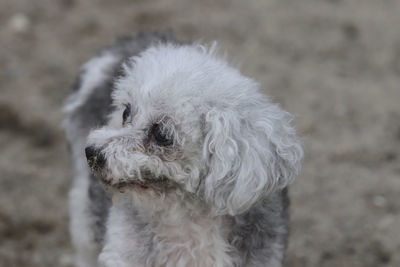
164,98
181,79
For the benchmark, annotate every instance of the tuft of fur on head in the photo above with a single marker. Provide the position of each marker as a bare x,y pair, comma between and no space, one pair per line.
230,146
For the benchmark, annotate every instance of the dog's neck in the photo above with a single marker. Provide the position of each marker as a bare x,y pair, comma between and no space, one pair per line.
184,226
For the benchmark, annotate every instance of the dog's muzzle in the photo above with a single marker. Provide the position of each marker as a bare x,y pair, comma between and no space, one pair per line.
95,158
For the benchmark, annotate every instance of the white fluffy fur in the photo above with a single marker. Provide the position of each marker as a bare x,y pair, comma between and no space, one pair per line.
231,149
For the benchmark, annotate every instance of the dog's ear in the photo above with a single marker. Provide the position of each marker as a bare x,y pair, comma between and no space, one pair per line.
249,152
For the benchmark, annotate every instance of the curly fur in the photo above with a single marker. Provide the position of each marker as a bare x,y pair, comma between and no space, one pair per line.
214,196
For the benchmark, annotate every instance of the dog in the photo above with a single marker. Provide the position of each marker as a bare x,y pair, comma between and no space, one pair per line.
179,160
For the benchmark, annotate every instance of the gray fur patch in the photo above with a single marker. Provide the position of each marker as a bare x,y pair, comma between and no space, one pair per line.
100,202
256,232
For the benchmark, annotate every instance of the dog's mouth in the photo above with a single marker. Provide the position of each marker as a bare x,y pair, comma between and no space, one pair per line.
146,183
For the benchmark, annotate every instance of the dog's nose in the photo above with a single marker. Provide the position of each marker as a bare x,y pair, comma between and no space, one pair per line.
95,158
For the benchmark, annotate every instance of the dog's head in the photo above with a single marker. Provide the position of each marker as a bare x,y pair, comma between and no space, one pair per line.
184,118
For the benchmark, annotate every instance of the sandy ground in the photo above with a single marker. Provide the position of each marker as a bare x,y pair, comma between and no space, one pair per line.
335,64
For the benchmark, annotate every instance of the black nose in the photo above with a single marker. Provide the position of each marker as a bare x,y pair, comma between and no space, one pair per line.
95,158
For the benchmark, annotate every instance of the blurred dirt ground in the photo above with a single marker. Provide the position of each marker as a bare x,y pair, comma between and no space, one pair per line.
335,64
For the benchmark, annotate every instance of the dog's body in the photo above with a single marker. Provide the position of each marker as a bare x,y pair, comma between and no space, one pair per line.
196,160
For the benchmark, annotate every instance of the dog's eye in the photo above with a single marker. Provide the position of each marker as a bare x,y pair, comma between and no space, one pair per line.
126,113
160,136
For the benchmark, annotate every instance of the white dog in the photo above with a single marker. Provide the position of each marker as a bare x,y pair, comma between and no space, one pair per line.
189,161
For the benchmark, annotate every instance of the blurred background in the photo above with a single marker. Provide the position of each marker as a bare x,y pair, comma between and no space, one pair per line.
335,64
